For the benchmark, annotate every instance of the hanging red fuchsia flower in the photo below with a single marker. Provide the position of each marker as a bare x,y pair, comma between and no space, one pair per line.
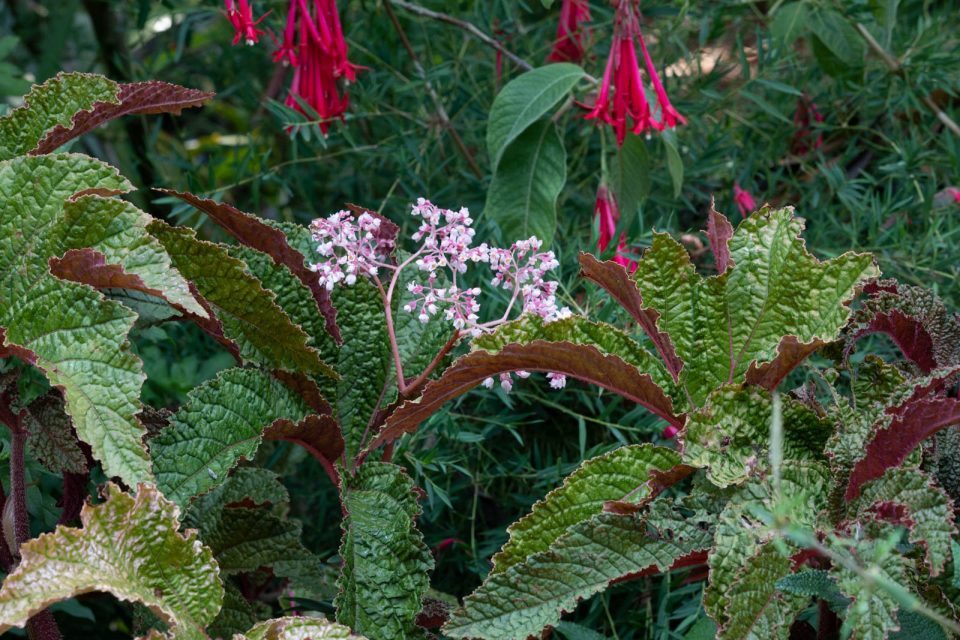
954,193
745,202
569,47
623,70
240,15
607,213
314,45
803,118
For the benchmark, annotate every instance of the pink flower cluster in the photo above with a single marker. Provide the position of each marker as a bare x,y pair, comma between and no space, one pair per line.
351,247
744,200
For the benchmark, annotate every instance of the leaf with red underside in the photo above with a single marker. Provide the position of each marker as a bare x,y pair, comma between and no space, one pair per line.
913,423
253,232
320,435
719,232
595,353
790,354
89,266
614,279
388,230
137,98
908,334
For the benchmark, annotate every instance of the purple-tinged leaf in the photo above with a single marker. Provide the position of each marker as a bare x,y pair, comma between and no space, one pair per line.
320,435
90,267
790,353
907,333
719,232
253,232
138,98
387,232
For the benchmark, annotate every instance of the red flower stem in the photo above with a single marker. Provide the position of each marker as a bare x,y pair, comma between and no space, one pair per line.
392,334
438,105
413,388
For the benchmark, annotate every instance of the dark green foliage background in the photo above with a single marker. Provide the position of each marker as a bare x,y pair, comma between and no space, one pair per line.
877,184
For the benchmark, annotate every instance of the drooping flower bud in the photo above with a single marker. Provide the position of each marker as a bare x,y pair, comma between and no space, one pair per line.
569,45
744,200
240,15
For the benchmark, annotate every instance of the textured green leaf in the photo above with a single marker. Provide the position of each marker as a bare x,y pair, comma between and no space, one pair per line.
815,583
418,342
722,325
51,438
929,511
363,360
730,435
522,199
236,615
248,485
128,546
873,613
75,336
298,628
914,626
222,421
620,475
248,313
53,103
758,611
740,536
523,101
385,562
522,600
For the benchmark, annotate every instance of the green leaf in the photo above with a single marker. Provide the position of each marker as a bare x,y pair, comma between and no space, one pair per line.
385,562
222,421
674,162
730,435
723,325
790,21
630,176
929,511
757,609
814,583
418,342
50,436
523,101
236,615
873,612
522,199
914,626
522,600
622,475
363,360
68,330
838,36
299,628
249,315
53,103
129,546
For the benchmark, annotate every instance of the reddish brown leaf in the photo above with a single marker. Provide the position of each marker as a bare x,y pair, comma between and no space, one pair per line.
719,232
658,482
320,435
614,279
583,362
914,422
692,559
307,389
8,350
251,231
89,266
388,230
907,332
137,98
790,354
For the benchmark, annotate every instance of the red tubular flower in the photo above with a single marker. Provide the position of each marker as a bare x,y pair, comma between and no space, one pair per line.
745,202
608,214
954,193
240,15
569,46
803,118
623,69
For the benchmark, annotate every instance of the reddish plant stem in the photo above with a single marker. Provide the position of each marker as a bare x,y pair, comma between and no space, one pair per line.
416,385
828,627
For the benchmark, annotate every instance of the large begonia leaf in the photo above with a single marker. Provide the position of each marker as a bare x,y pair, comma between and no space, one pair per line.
740,535
927,511
70,331
222,421
730,435
622,475
248,313
873,613
385,562
51,437
128,546
298,628
253,232
531,595
592,352
773,288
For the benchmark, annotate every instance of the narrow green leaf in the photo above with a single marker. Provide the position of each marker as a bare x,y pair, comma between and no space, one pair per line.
838,36
630,176
790,21
522,198
523,101
674,162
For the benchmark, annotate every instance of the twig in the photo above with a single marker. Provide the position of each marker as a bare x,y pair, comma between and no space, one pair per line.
466,26
896,67
437,103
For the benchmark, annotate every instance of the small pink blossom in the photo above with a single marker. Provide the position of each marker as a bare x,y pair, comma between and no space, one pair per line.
569,46
670,432
745,202
351,246
240,15
803,119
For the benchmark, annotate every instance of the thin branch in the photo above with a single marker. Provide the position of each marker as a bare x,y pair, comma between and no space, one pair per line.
437,103
896,67
465,26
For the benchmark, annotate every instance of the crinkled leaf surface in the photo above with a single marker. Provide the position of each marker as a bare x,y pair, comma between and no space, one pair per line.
385,562
298,628
50,435
772,288
248,313
730,435
53,103
222,421
522,600
622,475
128,546
73,334
873,613
758,610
